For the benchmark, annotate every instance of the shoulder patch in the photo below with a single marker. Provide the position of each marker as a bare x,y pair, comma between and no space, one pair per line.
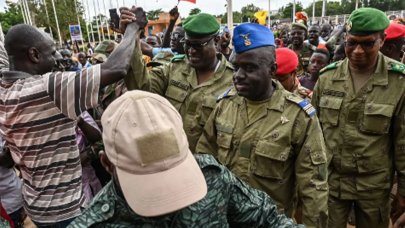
228,93
304,104
328,67
178,58
396,67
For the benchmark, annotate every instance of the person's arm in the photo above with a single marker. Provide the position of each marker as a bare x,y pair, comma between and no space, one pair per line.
249,207
334,37
311,172
174,15
398,138
207,144
6,161
89,127
3,55
146,49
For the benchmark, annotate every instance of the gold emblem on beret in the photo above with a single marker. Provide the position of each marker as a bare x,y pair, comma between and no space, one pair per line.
349,26
246,39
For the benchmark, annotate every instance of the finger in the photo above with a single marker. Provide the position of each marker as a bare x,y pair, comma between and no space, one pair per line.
127,12
123,8
128,17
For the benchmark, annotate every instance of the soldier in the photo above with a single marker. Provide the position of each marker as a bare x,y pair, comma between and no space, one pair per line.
395,38
297,36
266,135
191,82
287,63
361,106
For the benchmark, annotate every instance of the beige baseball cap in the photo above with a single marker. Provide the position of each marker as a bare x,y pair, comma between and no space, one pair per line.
144,138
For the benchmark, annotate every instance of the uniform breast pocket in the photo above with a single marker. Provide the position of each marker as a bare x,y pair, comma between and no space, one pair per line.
330,109
270,160
208,106
224,142
176,96
377,118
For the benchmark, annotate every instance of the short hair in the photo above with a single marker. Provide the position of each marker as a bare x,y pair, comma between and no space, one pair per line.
21,37
324,52
268,54
398,42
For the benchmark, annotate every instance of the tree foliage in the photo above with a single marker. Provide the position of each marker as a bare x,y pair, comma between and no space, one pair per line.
287,11
11,16
194,11
332,8
153,14
248,12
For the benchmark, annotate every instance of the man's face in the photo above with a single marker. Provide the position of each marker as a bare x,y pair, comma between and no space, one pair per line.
152,41
200,52
287,80
252,79
316,63
363,50
225,40
297,36
313,34
82,59
177,35
285,37
47,56
325,30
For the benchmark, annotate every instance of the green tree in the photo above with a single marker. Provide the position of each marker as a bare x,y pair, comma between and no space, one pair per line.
11,16
237,17
332,8
248,12
287,11
153,14
194,11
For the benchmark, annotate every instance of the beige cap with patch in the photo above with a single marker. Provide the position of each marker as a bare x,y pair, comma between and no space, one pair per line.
144,138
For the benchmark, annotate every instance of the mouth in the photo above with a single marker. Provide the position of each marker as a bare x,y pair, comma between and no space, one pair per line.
241,86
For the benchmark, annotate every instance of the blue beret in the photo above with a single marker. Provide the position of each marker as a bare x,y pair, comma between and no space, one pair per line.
250,36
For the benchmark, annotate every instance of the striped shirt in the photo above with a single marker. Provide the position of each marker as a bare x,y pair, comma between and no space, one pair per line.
37,119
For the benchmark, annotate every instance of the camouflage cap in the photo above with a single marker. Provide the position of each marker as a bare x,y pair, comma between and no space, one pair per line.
299,25
103,50
364,21
200,25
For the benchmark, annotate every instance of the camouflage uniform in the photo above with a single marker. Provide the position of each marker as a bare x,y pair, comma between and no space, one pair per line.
303,57
229,202
365,134
278,151
177,81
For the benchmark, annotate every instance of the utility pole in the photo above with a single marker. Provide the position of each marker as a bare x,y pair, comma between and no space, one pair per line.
230,16
57,22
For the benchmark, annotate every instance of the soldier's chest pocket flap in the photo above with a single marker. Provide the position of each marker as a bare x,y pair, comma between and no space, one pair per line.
270,159
177,93
208,104
224,141
377,118
330,109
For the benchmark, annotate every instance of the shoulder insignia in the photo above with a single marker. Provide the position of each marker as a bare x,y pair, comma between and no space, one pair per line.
178,58
328,67
228,93
397,67
304,104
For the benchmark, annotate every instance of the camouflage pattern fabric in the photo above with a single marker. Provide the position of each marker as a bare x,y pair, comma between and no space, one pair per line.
229,203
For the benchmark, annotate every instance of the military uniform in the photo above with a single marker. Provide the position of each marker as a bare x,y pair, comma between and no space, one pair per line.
279,150
177,81
364,134
304,56
229,202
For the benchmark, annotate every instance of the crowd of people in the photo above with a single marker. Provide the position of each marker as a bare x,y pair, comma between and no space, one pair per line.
201,127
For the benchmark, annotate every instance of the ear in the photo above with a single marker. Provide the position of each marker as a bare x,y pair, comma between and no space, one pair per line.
33,54
108,166
382,39
217,39
273,69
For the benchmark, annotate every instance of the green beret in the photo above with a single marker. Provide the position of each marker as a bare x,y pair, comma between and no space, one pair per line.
200,25
364,21
299,25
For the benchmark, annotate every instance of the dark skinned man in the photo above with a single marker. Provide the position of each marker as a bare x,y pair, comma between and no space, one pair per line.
314,40
297,37
361,106
395,38
319,60
326,29
223,43
266,135
39,116
191,82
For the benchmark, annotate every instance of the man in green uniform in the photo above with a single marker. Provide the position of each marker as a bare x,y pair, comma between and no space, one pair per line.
297,36
191,82
361,106
157,182
266,135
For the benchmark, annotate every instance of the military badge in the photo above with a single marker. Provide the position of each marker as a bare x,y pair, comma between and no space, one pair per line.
349,26
246,39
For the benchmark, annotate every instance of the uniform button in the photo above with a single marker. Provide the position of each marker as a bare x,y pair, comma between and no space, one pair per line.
105,208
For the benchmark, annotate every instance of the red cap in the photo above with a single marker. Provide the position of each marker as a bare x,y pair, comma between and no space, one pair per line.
395,31
287,61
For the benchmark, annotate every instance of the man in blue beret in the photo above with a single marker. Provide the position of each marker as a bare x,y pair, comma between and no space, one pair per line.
266,135
361,106
191,82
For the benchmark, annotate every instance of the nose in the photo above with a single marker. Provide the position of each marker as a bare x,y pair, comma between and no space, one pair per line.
358,49
239,75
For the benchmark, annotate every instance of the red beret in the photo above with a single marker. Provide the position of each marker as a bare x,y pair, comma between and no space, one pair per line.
395,31
287,61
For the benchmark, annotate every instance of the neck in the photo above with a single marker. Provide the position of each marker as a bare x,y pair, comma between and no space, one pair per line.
314,77
363,69
21,66
298,46
208,69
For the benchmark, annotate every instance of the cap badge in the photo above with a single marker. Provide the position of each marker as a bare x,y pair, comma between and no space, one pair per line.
246,39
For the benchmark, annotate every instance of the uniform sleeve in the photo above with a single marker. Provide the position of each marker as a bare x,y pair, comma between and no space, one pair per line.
207,144
315,97
139,77
399,145
249,207
74,92
311,173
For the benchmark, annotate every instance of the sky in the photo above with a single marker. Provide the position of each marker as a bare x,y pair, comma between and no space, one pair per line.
214,7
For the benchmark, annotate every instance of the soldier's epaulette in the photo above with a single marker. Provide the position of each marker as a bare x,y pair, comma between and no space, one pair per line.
328,67
228,93
178,57
396,67
304,104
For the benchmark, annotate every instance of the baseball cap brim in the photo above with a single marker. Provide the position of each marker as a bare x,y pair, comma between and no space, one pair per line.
164,192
